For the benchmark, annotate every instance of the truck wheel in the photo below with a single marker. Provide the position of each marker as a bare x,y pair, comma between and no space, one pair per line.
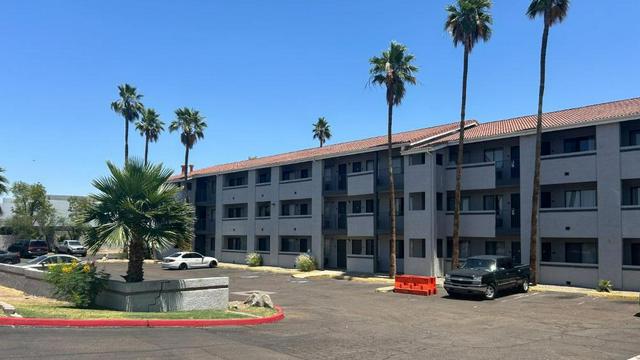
490,292
525,286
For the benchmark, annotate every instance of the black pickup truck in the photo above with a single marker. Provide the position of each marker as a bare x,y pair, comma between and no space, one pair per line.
486,275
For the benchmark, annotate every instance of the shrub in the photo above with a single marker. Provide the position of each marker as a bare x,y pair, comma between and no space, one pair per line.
254,259
77,283
305,262
604,286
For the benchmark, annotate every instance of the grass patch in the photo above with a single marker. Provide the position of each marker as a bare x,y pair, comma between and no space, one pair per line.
68,312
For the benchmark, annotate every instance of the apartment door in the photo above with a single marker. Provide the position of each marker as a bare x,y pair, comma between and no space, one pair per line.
200,245
341,261
515,162
342,177
342,214
515,211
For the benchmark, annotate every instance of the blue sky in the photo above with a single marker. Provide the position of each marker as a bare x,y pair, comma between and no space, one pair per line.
263,71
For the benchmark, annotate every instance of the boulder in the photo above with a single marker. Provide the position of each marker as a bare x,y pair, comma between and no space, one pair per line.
259,299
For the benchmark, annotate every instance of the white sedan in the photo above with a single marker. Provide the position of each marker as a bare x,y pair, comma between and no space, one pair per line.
188,260
43,261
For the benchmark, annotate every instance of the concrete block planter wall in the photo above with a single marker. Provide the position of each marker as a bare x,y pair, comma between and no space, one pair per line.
147,296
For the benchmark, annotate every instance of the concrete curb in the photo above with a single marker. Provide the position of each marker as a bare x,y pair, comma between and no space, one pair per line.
620,295
152,323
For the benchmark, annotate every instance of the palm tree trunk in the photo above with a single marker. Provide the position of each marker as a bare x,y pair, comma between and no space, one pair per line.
126,141
535,197
455,256
135,272
392,196
186,164
146,150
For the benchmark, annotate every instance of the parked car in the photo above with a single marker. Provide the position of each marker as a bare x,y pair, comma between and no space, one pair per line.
9,258
188,260
71,247
43,261
29,248
486,275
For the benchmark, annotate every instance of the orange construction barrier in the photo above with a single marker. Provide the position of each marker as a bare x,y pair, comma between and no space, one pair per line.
416,285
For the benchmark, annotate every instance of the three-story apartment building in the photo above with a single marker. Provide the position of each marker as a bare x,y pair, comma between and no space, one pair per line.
333,202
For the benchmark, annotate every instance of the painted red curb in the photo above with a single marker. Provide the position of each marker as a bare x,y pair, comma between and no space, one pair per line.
96,323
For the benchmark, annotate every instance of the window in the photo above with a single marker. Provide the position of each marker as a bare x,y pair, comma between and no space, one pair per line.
439,159
545,199
304,173
285,211
417,159
293,244
356,167
236,180
453,156
631,252
235,212
369,206
417,248
545,148
396,162
399,249
417,201
356,207
356,247
634,137
263,209
635,195
304,209
264,243
464,202
286,175
449,247
212,243
439,201
580,198
495,155
584,143
439,249
399,206
295,208
235,243
264,176
494,248
573,252
369,247
546,251
369,165
581,252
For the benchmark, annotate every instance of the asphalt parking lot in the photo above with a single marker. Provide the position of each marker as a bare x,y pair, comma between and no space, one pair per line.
335,319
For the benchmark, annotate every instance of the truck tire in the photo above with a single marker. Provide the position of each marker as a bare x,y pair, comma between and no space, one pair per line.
490,292
524,287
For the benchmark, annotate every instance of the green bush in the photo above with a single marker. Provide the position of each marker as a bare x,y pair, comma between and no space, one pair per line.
254,259
305,262
77,283
604,286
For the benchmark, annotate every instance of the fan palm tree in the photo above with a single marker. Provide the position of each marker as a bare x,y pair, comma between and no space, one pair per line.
322,130
136,206
393,70
553,12
192,125
4,185
468,22
129,105
150,126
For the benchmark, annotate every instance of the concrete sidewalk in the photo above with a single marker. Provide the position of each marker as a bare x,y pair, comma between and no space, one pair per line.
623,295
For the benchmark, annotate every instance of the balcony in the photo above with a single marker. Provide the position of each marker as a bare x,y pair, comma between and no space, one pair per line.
569,222
568,168
474,223
296,189
334,223
360,183
234,226
295,225
475,176
205,226
630,161
383,180
335,184
630,223
360,225
384,223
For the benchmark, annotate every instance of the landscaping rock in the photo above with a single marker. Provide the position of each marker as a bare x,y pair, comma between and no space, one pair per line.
259,299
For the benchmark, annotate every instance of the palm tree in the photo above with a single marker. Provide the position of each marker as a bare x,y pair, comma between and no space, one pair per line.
393,69
150,126
136,206
322,130
468,23
129,105
4,185
192,125
553,11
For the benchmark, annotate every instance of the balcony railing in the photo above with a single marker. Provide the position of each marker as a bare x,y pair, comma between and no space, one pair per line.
334,222
382,180
337,183
383,222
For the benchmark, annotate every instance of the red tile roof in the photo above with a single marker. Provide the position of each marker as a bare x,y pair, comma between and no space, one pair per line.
329,150
555,119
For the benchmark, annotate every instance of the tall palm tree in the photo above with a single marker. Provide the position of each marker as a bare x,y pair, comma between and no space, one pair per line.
322,130
129,105
552,11
192,125
136,206
4,185
468,22
393,69
150,126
